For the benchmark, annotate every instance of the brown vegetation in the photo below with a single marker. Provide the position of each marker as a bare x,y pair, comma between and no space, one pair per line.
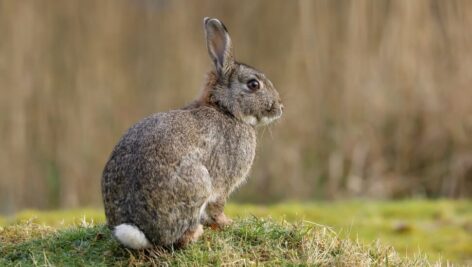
377,93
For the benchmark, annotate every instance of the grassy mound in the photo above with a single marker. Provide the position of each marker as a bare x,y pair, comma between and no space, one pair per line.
440,229
247,242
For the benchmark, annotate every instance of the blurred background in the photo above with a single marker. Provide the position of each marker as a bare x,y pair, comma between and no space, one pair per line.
377,94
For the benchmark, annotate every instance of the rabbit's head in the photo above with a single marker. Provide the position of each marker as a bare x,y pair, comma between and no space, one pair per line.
239,89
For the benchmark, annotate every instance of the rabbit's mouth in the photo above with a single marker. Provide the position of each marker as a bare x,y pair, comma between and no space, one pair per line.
267,116
262,121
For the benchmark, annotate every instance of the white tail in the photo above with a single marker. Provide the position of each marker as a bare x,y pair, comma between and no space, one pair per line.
130,236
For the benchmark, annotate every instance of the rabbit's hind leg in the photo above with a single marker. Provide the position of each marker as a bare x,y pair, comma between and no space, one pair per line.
193,190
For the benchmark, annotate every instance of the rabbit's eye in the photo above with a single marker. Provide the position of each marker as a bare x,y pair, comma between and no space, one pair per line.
253,84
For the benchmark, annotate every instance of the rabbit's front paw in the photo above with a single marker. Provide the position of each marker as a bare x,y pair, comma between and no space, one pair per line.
221,221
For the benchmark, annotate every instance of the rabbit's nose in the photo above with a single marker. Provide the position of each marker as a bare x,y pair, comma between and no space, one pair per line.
272,107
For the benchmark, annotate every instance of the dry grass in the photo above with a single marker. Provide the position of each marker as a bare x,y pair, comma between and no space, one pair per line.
377,93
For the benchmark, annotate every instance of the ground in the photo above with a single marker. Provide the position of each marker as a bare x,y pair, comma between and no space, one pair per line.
344,233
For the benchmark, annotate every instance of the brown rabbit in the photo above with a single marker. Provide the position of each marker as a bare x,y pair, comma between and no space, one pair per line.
172,172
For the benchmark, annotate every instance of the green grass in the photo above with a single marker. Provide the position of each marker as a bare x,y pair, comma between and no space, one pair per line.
441,230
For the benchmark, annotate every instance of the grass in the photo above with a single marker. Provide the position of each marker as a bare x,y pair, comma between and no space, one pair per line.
440,230
250,241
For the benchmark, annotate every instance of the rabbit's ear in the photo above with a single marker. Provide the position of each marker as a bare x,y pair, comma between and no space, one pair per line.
219,45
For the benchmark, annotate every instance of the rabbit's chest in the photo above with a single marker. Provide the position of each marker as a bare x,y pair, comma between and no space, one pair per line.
231,159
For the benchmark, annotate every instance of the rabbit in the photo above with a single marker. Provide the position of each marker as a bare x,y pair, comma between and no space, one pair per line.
172,172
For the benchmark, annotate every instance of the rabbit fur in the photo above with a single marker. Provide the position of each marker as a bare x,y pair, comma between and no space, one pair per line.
173,171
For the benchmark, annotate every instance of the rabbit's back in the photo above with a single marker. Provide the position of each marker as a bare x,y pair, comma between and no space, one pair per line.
157,143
